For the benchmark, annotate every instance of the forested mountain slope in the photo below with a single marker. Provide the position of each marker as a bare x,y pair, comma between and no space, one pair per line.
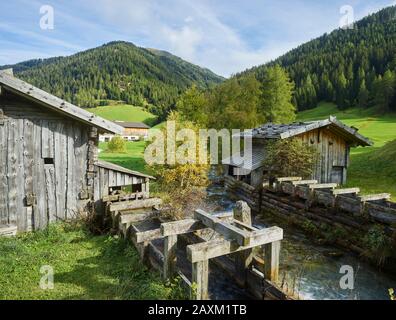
117,71
353,67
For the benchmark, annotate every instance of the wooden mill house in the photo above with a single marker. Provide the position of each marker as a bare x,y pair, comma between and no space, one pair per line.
330,137
49,168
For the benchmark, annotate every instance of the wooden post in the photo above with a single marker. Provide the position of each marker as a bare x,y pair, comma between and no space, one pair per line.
200,277
243,259
271,260
147,188
170,247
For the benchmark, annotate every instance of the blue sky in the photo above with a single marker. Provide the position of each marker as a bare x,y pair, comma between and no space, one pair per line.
224,36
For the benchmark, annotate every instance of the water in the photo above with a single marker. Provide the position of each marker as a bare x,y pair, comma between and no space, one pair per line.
313,270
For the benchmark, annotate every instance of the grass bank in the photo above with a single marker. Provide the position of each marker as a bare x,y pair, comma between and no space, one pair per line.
373,169
125,112
85,267
132,159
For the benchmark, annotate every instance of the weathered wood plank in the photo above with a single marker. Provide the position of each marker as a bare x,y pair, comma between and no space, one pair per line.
243,259
271,260
28,163
170,247
12,170
288,179
345,191
8,231
137,217
50,193
375,197
135,204
227,230
200,277
181,227
21,218
215,248
71,195
302,182
40,208
3,173
143,236
323,186
60,151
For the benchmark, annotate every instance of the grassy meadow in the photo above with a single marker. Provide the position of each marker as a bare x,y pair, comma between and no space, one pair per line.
373,169
85,267
132,159
125,112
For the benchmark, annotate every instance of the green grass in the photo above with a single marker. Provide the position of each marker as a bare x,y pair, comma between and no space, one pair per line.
125,112
373,169
132,159
85,267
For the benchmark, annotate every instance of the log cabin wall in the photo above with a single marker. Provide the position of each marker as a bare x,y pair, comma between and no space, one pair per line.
43,164
333,154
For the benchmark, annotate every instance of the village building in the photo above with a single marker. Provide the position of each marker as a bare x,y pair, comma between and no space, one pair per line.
133,131
49,167
331,138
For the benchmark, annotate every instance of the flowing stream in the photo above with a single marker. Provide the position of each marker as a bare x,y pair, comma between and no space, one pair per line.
312,271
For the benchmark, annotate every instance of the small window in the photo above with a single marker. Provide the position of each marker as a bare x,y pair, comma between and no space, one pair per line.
48,160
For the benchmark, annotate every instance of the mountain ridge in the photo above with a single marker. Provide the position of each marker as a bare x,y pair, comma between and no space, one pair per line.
117,70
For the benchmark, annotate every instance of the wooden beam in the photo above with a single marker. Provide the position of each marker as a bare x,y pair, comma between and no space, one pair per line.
323,186
135,204
170,247
181,227
375,197
226,229
189,225
302,182
143,236
288,179
219,247
136,217
271,261
200,278
7,231
345,191
243,259
242,213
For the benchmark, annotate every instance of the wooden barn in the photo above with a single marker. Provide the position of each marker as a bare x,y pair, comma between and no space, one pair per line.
332,139
49,168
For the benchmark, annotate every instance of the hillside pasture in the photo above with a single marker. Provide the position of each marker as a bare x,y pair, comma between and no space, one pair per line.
125,112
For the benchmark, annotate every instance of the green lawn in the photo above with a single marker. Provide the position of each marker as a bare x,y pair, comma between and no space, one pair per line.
125,112
85,267
132,159
373,169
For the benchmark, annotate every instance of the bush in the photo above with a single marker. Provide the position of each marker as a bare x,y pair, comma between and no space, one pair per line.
117,144
289,158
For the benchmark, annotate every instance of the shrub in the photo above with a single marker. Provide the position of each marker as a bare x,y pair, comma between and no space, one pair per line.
117,144
378,246
290,157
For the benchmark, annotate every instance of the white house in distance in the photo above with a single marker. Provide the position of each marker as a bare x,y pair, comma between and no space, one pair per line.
133,131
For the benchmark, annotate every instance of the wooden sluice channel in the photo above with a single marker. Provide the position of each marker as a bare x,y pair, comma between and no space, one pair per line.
198,248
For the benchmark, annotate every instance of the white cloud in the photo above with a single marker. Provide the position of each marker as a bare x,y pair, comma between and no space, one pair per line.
224,36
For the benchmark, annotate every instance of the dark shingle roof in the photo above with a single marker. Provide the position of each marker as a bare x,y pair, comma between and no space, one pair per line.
47,100
127,124
284,131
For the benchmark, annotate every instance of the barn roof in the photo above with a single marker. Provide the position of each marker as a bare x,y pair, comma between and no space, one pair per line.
22,88
284,131
114,167
127,124
238,160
